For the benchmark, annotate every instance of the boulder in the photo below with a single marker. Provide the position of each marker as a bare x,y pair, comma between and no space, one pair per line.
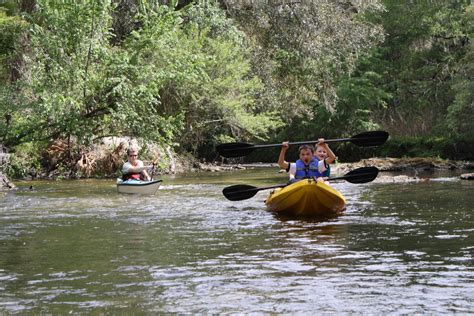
398,179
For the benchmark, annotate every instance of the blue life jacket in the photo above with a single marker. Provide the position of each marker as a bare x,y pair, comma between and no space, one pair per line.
307,171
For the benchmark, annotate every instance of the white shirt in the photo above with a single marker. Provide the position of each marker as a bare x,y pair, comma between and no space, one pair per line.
292,169
128,165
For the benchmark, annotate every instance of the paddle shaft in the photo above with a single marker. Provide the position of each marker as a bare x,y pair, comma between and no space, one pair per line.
311,141
366,139
265,188
242,191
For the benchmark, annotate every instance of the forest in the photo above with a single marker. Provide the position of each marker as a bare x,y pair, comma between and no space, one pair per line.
188,75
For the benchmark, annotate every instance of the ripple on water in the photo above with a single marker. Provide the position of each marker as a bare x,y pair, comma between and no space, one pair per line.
188,250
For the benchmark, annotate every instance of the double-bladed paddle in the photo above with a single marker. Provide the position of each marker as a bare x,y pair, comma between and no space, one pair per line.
367,139
240,192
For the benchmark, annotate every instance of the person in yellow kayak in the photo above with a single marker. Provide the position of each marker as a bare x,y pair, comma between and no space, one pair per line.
323,152
134,169
306,167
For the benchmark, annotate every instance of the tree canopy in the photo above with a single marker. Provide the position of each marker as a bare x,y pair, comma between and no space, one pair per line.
192,74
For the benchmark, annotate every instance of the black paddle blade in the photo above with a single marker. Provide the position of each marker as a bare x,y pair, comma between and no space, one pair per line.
370,139
233,150
362,175
239,192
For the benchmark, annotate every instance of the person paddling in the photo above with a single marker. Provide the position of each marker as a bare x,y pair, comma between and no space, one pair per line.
324,153
307,167
134,169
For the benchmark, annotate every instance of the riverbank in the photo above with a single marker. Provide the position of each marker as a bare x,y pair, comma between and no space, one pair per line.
67,159
181,164
385,165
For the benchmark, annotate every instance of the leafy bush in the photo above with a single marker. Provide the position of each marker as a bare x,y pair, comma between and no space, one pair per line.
24,161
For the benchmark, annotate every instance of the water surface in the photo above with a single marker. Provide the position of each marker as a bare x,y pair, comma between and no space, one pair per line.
78,246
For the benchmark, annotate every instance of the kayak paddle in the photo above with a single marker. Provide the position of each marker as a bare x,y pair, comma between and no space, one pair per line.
240,192
367,139
359,175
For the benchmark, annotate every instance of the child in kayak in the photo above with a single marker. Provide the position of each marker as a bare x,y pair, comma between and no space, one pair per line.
324,153
134,169
307,167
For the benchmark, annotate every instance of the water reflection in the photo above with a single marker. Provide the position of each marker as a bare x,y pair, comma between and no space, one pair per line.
78,246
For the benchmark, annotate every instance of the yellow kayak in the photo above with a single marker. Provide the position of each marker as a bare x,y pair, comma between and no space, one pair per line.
306,198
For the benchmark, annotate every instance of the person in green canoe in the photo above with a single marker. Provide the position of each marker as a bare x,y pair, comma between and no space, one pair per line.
134,169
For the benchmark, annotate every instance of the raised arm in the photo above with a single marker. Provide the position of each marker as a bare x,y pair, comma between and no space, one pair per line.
331,156
281,160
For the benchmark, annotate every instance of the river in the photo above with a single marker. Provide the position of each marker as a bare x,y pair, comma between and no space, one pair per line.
80,247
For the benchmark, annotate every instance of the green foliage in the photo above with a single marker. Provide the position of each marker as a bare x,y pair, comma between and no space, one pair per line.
305,53
443,147
25,161
11,27
460,116
417,82
61,70
416,64
182,75
192,74
199,69
360,96
301,50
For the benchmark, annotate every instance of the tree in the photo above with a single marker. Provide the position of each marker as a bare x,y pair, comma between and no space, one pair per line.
303,48
416,64
181,75
460,116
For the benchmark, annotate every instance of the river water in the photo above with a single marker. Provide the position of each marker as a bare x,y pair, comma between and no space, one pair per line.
79,247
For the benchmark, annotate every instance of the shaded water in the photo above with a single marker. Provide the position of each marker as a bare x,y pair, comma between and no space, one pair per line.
78,246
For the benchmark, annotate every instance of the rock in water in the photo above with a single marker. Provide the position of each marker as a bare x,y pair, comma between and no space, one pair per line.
5,184
467,176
